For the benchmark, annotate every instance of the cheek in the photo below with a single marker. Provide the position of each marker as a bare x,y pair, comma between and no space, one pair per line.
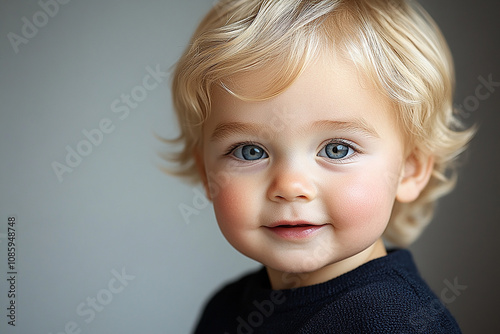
362,201
227,204
233,206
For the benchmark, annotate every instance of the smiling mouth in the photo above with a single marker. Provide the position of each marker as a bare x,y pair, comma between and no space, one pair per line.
294,230
293,226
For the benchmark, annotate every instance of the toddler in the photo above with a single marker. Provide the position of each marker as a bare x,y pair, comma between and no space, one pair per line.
320,129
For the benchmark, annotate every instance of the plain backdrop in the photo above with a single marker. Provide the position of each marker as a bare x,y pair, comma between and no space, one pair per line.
104,248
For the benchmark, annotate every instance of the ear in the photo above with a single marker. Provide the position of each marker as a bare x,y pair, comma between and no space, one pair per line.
416,173
200,166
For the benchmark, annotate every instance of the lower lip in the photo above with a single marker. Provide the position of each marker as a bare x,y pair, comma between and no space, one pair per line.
298,232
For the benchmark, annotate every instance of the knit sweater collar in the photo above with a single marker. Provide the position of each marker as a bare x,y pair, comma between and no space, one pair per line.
369,272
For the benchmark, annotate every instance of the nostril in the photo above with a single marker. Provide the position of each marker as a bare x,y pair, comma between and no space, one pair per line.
288,188
291,198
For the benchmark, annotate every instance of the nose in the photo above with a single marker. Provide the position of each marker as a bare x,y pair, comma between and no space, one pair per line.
292,184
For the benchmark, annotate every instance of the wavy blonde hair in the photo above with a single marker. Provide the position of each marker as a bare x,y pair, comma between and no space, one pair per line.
394,42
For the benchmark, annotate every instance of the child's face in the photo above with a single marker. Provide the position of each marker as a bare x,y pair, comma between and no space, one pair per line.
325,156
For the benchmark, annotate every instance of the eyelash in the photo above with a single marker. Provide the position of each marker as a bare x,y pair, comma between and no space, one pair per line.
341,141
235,146
349,144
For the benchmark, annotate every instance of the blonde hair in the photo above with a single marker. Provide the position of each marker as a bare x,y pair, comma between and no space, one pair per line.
394,42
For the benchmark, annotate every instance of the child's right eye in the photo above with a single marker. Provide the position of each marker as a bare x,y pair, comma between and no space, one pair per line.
249,152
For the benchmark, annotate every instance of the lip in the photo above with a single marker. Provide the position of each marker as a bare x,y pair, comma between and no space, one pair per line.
294,230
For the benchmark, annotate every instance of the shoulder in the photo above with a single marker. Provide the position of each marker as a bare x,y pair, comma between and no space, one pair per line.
226,304
394,299
240,287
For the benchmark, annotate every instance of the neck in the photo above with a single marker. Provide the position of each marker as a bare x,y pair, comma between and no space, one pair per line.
283,280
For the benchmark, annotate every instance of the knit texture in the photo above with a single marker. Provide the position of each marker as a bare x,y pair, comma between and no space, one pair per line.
385,295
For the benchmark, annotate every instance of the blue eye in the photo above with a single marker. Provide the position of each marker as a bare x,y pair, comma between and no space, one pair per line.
250,152
335,151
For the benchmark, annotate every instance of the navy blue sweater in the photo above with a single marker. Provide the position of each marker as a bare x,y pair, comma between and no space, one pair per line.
386,295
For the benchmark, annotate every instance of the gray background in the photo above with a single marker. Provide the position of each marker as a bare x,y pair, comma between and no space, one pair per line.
117,211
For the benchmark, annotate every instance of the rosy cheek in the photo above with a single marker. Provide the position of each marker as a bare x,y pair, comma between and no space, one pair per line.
233,206
227,204
364,203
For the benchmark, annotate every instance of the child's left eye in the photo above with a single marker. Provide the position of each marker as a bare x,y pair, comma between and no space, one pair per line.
336,150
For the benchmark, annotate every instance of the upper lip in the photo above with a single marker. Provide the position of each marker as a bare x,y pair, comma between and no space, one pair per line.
292,223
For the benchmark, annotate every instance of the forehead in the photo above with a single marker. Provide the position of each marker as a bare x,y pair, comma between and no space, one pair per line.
329,88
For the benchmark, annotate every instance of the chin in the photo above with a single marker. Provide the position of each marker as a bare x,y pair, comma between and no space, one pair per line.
297,265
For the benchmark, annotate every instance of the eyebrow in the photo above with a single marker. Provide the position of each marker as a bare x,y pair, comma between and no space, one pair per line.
357,125
225,130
